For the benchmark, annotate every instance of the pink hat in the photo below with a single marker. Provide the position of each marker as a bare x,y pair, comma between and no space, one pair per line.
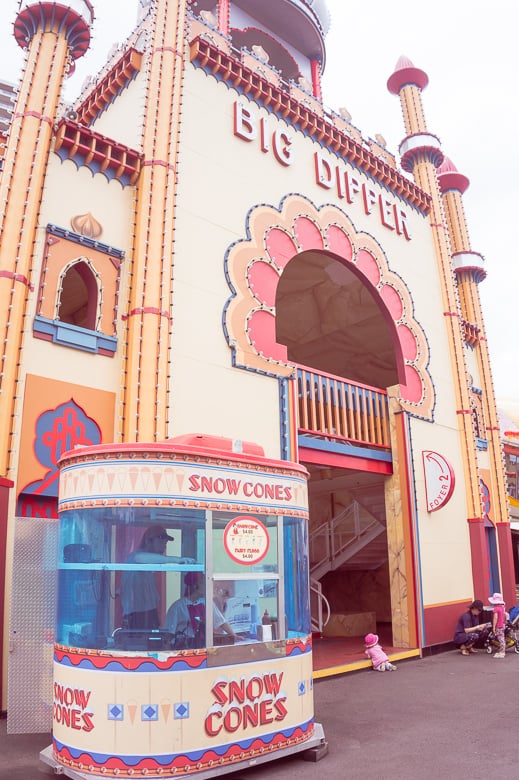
370,640
497,598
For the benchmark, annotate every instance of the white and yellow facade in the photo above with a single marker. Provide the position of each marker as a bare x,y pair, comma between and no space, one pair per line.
197,245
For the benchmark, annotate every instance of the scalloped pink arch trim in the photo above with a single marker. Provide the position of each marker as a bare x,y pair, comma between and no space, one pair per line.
255,265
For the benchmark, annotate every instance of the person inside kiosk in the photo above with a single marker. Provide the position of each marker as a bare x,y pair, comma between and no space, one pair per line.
185,618
120,568
139,594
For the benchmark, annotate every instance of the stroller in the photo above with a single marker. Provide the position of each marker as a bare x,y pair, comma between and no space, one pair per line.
490,641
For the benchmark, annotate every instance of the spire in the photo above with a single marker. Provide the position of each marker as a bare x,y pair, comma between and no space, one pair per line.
405,73
450,178
55,34
408,82
421,154
73,19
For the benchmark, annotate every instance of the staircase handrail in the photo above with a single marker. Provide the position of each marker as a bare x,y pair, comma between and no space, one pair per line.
360,522
316,587
322,530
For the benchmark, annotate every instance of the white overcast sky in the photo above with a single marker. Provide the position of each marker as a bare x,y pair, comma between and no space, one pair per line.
469,50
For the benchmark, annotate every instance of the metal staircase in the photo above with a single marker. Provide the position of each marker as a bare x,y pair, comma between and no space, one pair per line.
353,539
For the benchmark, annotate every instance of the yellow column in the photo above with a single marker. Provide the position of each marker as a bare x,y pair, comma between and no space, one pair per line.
51,37
469,269
404,585
145,412
421,155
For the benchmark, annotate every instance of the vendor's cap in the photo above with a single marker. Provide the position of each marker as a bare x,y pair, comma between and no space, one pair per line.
157,532
497,598
370,640
477,604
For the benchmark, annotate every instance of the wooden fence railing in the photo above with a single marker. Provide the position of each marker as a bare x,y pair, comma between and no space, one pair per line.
332,407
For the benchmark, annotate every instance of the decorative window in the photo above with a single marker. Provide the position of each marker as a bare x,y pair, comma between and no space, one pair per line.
79,289
512,474
478,419
80,295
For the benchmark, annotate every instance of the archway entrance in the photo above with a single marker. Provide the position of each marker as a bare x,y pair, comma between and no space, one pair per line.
314,299
329,320
334,327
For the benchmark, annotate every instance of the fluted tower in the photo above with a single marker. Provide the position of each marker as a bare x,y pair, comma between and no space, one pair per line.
303,23
421,155
54,35
469,267
149,317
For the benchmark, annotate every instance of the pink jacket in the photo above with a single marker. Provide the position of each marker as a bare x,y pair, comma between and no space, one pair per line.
499,609
376,654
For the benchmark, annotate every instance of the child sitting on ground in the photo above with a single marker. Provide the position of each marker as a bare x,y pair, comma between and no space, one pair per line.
378,657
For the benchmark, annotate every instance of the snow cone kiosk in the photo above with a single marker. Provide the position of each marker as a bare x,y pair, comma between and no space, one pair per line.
148,682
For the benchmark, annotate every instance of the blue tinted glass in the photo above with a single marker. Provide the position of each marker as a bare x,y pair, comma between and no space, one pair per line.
297,603
266,598
119,569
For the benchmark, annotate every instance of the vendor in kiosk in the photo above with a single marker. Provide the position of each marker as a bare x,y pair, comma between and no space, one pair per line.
139,594
185,618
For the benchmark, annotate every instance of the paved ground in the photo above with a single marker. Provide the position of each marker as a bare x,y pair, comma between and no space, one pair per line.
444,716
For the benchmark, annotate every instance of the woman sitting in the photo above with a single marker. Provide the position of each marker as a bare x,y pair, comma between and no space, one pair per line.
468,628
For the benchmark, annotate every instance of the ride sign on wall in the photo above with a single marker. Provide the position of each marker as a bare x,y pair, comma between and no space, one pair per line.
439,479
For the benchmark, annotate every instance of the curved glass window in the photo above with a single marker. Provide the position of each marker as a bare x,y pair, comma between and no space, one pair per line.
139,579
119,569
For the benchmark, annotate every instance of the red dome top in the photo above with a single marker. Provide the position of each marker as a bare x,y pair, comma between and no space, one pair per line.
74,17
405,73
450,178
